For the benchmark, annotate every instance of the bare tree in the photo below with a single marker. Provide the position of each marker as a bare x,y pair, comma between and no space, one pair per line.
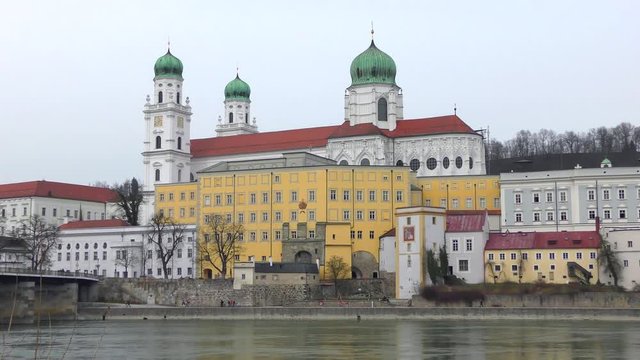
129,198
609,260
166,235
40,239
337,269
127,259
220,242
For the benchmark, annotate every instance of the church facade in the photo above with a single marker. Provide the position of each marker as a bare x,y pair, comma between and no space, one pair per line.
373,132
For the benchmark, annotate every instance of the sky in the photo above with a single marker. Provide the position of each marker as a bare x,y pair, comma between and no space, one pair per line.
76,73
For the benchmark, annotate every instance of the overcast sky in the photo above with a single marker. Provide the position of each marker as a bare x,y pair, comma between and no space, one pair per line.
75,74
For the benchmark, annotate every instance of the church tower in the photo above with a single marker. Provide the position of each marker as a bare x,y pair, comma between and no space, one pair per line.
167,150
373,96
237,110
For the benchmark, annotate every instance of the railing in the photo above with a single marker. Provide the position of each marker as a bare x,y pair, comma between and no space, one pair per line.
59,273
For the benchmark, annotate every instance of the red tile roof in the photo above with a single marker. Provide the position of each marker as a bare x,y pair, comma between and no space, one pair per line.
318,137
391,232
544,240
56,190
90,224
467,221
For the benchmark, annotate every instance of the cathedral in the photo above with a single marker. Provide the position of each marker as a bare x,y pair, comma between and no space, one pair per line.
373,131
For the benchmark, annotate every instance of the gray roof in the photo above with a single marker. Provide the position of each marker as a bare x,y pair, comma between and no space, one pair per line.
562,162
289,268
12,242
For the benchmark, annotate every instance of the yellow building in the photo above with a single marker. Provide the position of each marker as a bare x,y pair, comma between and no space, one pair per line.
550,257
471,192
177,201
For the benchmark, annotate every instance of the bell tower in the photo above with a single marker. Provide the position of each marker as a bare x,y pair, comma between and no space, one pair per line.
237,110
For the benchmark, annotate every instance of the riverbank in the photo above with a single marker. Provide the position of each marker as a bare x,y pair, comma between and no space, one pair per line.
347,312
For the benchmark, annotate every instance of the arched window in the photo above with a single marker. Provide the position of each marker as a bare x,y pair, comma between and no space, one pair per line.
343,162
179,143
399,163
178,98
246,118
179,175
382,109
230,118
157,174
159,97
470,162
445,163
431,163
365,162
191,177
414,164
158,142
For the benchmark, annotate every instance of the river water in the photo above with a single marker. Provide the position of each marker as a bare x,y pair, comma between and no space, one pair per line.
318,339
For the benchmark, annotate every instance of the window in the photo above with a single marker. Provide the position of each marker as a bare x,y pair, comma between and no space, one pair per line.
514,268
229,199
385,195
359,234
372,234
312,215
455,203
179,143
549,196
483,203
606,194
149,254
514,256
252,198
468,203
252,236
294,216
491,257
463,265
312,234
565,256
496,203
606,214
179,253
536,197
346,215
549,215
278,216
517,198
276,179
44,211
630,243
190,252
278,235
621,194
359,195
408,261
432,163
372,214
552,256
563,216
579,256
458,162
294,234
414,164
502,256
346,195
278,197
294,196
538,256
622,213
518,217
592,255
525,256
192,195
333,194
252,217
563,196
592,214
536,217
372,195
55,212
591,195
625,263
158,142
68,256
469,245
312,195
445,162
497,268
382,109
359,214
265,236
454,245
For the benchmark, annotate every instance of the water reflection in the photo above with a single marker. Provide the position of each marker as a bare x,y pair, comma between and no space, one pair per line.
265,339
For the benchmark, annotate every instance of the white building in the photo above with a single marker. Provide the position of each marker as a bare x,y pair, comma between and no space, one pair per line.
373,131
112,248
13,253
418,229
570,199
387,253
55,202
467,233
625,242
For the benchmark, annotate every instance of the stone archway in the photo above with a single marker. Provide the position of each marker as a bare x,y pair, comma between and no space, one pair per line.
356,273
303,257
365,263
208,274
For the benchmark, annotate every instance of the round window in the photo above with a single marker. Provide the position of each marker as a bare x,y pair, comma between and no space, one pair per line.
458,162
86,245
399,163
445,163
77,246
414,164
59,246
68,246
470,162
104,245
432,163
365,162
95,245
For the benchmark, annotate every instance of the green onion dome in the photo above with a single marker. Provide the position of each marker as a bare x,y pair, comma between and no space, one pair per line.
373,66
168,66
237,89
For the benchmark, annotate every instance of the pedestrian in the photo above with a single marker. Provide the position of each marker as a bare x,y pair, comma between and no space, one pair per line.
221,303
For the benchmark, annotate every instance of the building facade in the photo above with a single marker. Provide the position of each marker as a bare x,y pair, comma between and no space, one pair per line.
466,234
625,243
570,199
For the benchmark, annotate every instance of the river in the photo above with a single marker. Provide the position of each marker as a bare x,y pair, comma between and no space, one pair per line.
325,339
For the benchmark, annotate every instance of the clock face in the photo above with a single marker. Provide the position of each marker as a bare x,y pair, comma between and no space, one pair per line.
180,122
157,121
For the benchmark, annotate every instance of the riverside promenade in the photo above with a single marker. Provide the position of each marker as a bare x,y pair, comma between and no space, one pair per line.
150,312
